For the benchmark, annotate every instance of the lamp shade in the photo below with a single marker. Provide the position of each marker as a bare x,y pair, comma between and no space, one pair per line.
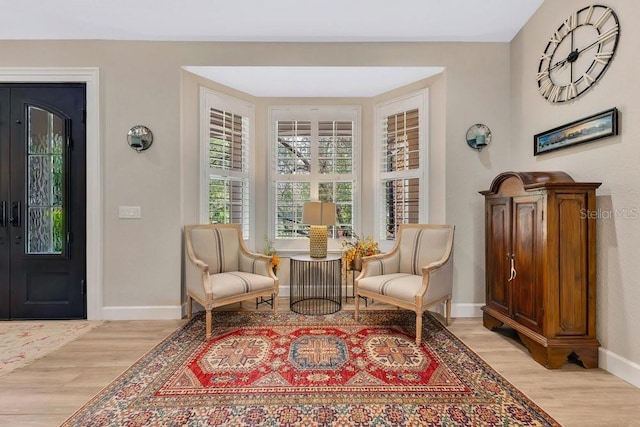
319,213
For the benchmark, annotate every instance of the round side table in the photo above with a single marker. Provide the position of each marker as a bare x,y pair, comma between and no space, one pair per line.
316,284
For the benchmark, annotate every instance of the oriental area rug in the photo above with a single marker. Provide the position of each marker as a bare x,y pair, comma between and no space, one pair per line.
296,370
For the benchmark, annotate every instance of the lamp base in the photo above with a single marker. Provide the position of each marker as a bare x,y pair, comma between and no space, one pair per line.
318,241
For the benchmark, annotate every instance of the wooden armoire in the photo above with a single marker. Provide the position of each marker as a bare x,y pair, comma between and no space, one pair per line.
540,243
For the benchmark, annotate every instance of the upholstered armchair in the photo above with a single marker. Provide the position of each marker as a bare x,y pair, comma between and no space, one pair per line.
415,275
220,270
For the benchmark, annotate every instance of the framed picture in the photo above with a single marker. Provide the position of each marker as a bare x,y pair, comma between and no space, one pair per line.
584,130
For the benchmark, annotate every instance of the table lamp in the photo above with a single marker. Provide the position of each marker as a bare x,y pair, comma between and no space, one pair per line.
318,215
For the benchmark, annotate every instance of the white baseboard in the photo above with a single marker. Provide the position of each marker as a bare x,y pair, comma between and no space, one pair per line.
619,366
466,310
142,312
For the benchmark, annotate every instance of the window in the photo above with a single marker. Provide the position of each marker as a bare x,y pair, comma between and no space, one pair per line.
314,159
226,183
402,151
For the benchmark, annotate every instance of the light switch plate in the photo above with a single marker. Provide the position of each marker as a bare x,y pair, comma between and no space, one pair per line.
129,212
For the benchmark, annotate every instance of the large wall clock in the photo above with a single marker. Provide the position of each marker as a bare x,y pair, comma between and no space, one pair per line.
578,53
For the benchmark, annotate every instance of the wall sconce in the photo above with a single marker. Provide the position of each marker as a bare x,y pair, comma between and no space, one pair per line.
478,136
318,215
140,138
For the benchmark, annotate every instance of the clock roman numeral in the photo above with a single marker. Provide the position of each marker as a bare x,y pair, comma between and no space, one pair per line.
610,33
571,91
570,23
588,79
589,15
555,39
543,75
555,94
603,57
603,18
545,88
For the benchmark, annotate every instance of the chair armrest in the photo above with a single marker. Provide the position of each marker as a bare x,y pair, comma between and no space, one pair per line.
252,262
446,258
437,280
200,285
376,265
201,265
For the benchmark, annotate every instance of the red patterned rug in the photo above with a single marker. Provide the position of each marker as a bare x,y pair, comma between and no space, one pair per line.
299,370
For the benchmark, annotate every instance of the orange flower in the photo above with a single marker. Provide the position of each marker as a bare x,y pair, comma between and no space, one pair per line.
271,251
358,247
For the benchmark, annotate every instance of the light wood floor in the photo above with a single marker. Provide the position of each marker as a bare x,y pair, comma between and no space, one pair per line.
49,390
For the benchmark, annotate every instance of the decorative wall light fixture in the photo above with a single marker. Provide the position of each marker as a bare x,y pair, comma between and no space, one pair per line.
140,138
478,136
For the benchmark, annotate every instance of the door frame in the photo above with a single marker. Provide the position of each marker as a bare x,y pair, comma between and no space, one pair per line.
94,211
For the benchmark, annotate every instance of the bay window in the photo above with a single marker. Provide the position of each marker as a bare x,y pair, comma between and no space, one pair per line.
315,158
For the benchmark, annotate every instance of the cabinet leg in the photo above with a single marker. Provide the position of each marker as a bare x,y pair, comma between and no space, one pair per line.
490,322
555,357
588,356
551,358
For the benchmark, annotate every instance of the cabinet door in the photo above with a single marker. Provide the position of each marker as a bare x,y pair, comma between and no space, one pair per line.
573,290
498,253
526,285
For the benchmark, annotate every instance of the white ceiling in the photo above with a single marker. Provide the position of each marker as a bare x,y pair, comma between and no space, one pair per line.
315,82
276,21
266,20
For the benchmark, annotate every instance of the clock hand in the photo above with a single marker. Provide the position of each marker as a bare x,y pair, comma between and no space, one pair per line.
588,47
564,61
573,56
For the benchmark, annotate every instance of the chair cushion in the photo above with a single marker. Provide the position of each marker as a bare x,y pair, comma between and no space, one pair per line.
401,286
232,283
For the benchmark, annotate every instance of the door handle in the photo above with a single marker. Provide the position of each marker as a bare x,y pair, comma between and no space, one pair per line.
16,214
513,273
3,213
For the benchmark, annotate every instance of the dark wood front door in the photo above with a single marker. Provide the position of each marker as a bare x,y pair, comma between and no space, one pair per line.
42,201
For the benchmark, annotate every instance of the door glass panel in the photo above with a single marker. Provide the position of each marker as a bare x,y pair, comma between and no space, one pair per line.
45,167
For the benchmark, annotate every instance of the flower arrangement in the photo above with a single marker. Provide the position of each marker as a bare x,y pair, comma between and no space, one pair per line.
358,247
271,251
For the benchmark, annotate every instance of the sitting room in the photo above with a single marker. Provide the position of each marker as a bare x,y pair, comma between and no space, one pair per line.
342,213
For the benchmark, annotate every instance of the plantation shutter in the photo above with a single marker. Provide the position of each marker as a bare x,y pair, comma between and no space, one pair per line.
400,170
228,168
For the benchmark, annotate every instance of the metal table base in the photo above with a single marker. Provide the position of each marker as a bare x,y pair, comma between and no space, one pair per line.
316,285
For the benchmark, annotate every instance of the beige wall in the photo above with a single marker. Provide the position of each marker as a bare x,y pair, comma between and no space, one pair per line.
612,161
142,83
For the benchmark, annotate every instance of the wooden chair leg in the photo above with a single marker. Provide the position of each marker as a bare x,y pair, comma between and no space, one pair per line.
189,306
418,328
356,301
208,324
447,309
275,305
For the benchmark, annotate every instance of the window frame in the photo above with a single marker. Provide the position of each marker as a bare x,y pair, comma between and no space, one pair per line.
404,103
212,99
314,113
